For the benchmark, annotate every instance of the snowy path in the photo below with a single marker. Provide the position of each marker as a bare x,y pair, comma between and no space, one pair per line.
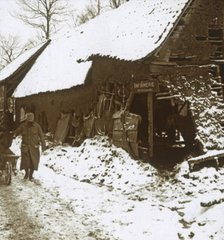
58,207
30,211
70,201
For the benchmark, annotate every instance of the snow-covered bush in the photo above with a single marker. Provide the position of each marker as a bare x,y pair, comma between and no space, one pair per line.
194,84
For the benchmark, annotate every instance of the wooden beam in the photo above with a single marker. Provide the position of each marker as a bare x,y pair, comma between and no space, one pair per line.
150,123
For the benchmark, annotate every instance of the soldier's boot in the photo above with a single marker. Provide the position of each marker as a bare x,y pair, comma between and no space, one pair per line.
31,174
26,173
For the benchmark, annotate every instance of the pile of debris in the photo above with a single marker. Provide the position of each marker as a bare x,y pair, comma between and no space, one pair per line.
98,161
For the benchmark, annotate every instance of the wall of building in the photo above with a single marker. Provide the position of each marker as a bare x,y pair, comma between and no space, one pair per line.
199,35
113,70
48,106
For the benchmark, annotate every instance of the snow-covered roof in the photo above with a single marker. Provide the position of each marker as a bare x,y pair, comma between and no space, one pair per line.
132,31
18,62
55,69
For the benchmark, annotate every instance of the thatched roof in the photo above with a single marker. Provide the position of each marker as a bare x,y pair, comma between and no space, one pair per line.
12,67
133,31
55,69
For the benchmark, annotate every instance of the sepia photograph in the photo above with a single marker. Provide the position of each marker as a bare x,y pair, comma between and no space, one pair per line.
111,119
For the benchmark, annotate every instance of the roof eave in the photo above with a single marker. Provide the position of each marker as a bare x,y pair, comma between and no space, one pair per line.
36,54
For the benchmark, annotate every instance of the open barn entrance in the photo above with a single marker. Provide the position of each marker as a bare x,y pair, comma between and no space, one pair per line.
174,131
139,107
172,126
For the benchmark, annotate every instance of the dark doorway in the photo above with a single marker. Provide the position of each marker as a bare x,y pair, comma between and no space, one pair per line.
174,131
139,107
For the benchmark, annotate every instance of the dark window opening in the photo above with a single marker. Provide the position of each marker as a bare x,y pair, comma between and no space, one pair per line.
217,53
215,34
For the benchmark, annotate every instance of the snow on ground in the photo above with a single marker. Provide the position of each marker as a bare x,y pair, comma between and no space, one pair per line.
98,161
120,198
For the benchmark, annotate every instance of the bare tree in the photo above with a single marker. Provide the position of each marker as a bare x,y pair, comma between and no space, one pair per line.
95,8
45,15
116,3
91,11
10,49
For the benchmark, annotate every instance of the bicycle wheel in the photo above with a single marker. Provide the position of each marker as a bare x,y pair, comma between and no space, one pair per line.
8,173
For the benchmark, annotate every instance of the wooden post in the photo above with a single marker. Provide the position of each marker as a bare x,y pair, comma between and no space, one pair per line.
2,99
150,123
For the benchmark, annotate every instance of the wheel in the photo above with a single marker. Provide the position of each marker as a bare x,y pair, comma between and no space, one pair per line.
8,173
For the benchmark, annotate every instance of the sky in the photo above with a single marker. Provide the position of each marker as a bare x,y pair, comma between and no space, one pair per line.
12,26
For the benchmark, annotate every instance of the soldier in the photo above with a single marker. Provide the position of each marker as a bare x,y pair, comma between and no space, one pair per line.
32,137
